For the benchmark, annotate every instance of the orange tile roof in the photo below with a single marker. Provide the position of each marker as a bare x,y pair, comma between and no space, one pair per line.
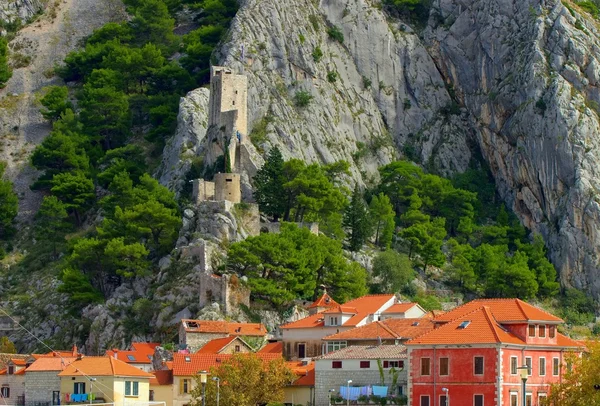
204,362
306,373
141,353
364,306
217,345
400,308
504,310
102,366
20,372
342,309
224,327
564,341
18,362
476,327
272,348
45,364
324,301
162,377
389,329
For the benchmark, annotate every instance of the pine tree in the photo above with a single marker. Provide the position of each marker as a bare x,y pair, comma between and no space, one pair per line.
5,71
9,205
52,222
56,102
356,219
381,212
76,190
268,183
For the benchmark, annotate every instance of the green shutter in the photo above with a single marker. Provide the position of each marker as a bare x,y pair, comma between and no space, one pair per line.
127,388
135,388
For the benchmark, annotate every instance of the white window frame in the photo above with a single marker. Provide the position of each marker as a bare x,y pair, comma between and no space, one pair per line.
516,364
530,365
542,372
529,330
445,398
132,389
540,327
514,395
541,396
555,366
528,395
482,365
5,392
336,345
421,365
440,366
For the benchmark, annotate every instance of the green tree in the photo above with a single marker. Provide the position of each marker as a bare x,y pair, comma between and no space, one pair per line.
9,206
544,270
461,271
356,219
391,271
76,190
268,185
7,346
152,23
400,181
52,222
129,159
5,70
128,260
56,102
381,212
246,380
79,288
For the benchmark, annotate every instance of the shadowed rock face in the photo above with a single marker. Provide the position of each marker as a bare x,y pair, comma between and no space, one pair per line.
527,71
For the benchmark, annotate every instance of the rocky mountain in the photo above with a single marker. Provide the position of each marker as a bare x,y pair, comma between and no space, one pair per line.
513,83
21,10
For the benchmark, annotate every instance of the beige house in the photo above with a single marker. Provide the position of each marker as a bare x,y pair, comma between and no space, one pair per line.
194,334
104,378
12,382
161,387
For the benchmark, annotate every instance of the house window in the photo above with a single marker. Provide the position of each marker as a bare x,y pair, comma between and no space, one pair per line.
532,330
333,321
513,365
132,388
78,388
542,331
478,400
478,366
336,364
542,366
514,399
11,369
426,367
528,400
393,364
131,358
365,364
552,331
151,396
444,366
237,348
185,386
5,392
335,345
425,399
542,399
529,364
443,400
555,366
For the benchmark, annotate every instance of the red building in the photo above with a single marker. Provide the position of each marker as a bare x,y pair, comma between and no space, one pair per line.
473,357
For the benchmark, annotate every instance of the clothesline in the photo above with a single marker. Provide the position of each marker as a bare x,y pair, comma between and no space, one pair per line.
353,392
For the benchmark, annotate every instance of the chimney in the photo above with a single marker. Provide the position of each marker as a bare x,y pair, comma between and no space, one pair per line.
116,352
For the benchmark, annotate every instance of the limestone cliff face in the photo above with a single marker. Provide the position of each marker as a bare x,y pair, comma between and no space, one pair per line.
371,94
528,72
11,10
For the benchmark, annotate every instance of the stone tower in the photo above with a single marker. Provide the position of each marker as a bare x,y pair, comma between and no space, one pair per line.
228,116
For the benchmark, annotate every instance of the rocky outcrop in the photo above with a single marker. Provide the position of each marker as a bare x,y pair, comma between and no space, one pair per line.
23,10
528,72
186,145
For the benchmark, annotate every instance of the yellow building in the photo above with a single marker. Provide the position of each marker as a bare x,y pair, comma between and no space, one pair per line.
161,387
104,379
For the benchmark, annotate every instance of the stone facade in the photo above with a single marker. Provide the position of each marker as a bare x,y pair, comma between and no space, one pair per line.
196,340
226,290
276,227
227,187
203,190
40,385
16,384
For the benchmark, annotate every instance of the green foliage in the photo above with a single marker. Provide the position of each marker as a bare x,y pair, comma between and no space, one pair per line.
7,346
416,10
52,222
336,34
302,98
382,214
268,185
8,206
357,221
79,288
591,7
576,307
76,190
5,70
332,76
56,102
317,54
391,271
293,264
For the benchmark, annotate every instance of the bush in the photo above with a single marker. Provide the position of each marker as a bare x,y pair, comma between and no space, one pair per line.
332,76
302,98
317,54
336,34
5,71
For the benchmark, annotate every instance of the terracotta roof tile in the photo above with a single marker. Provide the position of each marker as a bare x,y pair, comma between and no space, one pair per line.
102,366
360,307
4,358
45,364
342,309
224,327
367,352
400,308
324,301
272,348
162,377
305,373
217,345
504,311
190,364
18,361
141,353
564,341
390,329
20,372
